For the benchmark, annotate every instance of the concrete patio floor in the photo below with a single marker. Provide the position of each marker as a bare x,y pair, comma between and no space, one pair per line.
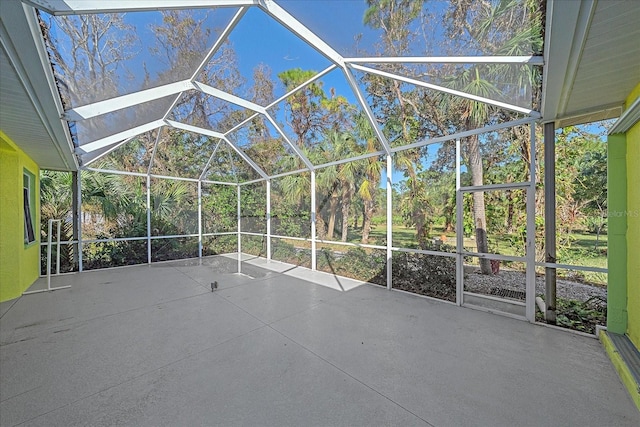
152,346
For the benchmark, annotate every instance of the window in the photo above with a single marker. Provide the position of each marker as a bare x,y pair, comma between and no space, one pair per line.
28,198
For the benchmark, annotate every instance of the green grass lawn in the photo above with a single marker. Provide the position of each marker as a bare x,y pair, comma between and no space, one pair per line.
581,251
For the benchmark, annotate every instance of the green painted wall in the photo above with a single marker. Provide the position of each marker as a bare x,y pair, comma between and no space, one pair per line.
617,233
623,308
633,227
19,263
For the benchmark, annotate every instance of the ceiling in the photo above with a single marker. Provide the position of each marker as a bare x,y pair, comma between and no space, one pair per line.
592,62
592,59
30,107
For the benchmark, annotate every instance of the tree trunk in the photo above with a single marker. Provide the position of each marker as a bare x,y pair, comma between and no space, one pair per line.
347,193
479,215
422,232
509,221
368,209
449,212
333,209
321,231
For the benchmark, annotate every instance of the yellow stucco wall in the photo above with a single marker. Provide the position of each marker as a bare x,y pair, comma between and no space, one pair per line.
19,263
633,227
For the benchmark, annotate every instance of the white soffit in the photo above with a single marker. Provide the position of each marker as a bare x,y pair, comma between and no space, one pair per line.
31,108
592,59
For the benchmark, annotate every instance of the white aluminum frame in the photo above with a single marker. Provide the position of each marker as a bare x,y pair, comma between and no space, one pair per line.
49,246
347,65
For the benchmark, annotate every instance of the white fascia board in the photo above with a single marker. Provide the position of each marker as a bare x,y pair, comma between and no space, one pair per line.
293,146
34,71
77,7
567,27
530,59
193,129
367,110
454,92
125,101
112,139
209,90
464,134
282,16
630,117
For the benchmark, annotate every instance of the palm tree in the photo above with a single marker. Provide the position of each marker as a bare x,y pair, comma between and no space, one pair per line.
496,28
56,197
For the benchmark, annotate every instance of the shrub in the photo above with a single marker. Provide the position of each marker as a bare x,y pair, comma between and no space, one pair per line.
430,275
580,315
360,264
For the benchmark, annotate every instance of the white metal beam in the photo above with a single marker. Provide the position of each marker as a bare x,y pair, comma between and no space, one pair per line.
104,153
350,159
241,124
282,16
367,110
209,90
246,158
221,39
303,85
490,128
118,137
199,219
268,219
149,207
389,191
154,150
454,92
204,170
77,7
530,254
124,101
293,146
459,229
531,60
196,129
313,222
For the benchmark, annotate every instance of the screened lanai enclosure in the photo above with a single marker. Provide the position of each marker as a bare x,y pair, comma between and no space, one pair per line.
396,143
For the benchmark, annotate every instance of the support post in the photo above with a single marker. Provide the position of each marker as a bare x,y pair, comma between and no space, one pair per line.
239,232
459,231
58,247
75,215
530,289
148,219
313,220
200,219
389,221
550,221
78,199
268,220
